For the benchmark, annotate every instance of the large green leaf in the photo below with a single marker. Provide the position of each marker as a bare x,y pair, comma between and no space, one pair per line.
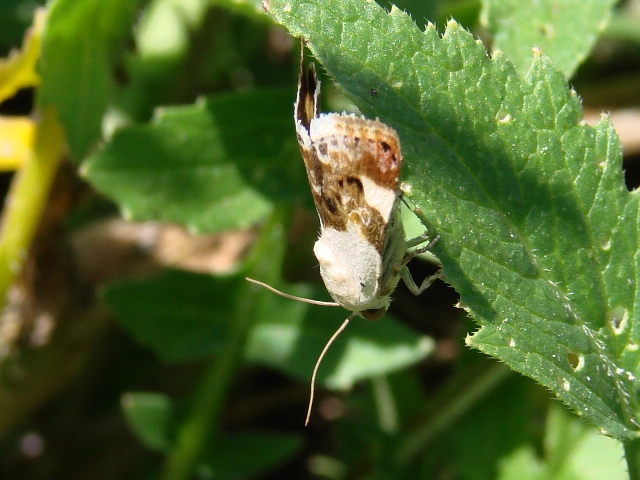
221,163
538,232
564,30
79,51
182,316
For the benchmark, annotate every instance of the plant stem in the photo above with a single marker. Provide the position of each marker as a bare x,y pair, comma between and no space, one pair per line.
632,456
203,418
202,422
450,409
385,403
27,198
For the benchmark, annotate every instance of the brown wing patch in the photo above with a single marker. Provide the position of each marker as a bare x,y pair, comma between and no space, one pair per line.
307,99
340,153
374,147
305,110
352,150
346,207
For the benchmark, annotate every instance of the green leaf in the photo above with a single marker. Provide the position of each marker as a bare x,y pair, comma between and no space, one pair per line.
150,416
17,71
572,451
221,163
182,316
234,457
289,336
564,30
596,457
422,12
538,232
522,464
81,40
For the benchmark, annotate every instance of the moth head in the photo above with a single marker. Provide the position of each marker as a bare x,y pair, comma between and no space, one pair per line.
373,313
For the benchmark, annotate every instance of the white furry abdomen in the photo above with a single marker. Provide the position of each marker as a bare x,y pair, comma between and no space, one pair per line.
351,269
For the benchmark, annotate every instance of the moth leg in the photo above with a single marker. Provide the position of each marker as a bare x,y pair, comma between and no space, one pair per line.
404,270
411,284
415,209
417,241
421,238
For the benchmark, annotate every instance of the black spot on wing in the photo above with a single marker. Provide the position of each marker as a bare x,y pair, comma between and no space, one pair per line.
357,184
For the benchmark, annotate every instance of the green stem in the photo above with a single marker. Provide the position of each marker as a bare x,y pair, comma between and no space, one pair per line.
203,418
632,456
473,388
385,403
202,422
27,199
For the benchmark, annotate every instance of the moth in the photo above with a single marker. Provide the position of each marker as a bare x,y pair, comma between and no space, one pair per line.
353,166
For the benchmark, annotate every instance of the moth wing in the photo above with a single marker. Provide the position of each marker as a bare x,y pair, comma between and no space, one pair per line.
305,110
352,164
360,163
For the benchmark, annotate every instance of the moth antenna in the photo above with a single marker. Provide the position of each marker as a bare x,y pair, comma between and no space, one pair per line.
315,369
293,297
